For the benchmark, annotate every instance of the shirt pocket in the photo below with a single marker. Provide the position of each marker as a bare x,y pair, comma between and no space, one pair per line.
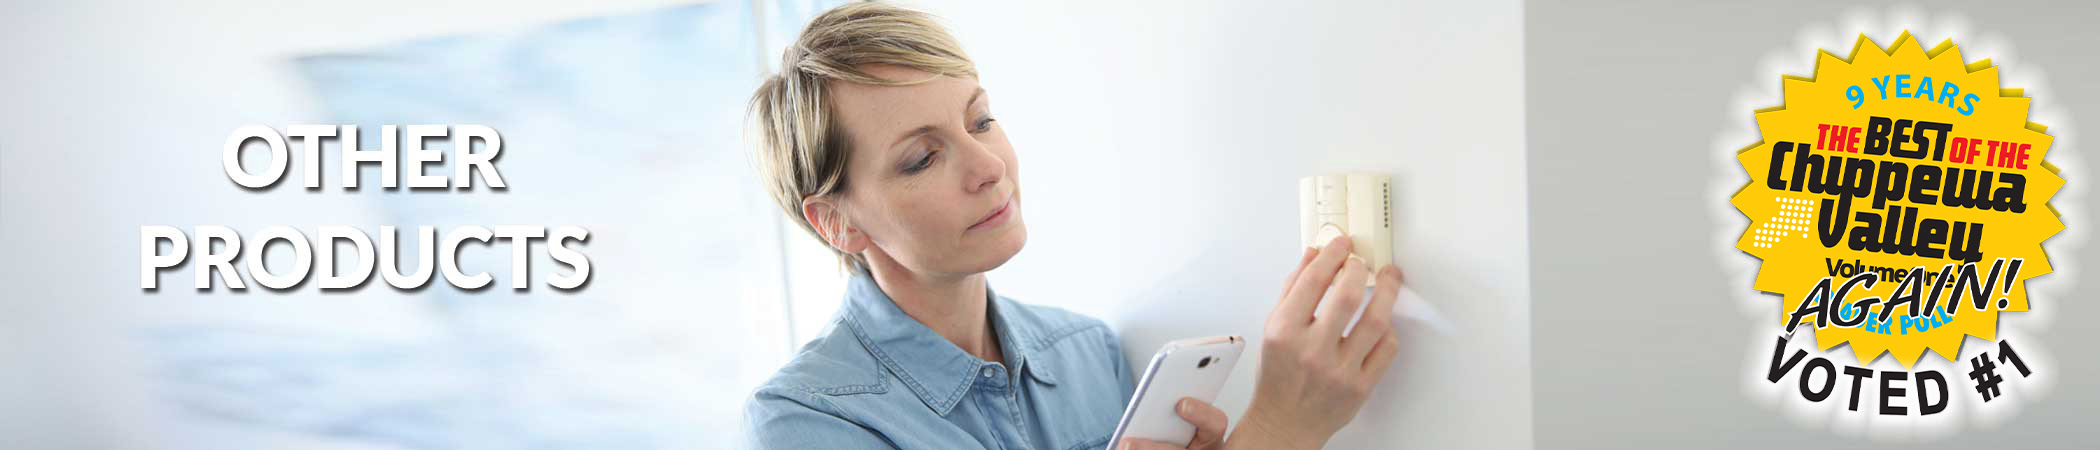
1083,411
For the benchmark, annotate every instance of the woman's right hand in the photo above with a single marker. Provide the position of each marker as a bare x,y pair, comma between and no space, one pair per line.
1312,379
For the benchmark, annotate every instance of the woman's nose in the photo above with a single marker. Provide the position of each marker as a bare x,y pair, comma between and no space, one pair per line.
984,168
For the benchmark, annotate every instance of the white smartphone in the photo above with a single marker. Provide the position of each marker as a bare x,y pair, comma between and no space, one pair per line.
1194,368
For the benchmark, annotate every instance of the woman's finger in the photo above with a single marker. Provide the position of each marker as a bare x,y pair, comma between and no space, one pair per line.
1346,296
1377,320
1382,356
1307,258
1209,422
1312,281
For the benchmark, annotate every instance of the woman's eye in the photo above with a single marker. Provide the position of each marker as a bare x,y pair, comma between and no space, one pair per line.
982,125
920,164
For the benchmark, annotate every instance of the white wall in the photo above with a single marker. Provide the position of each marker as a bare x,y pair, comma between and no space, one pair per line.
1160,146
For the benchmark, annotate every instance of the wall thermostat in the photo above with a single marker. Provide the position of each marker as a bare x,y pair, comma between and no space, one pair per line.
1356,204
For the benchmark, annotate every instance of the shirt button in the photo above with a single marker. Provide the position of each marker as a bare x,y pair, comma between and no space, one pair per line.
987,372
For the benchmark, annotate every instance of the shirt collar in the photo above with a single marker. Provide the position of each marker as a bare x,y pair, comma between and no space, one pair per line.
936,370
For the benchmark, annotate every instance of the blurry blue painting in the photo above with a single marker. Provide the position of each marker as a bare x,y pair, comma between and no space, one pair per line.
626,125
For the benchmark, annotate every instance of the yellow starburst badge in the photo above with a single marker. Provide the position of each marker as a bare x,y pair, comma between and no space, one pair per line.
1898,202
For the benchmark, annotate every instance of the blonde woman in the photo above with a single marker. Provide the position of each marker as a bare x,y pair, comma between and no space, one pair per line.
876,139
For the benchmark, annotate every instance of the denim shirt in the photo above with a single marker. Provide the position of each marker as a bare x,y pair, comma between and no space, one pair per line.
878,379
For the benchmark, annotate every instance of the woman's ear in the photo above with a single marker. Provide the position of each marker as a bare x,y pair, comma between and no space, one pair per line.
825,215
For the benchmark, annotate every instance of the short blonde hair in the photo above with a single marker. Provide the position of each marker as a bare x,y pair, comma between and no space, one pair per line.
802,149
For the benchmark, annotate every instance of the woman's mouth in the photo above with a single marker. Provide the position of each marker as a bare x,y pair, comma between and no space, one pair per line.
997,217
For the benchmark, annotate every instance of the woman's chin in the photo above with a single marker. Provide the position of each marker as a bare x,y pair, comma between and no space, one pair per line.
1001,247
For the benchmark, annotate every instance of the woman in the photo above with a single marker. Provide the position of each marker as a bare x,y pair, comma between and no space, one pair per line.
877,139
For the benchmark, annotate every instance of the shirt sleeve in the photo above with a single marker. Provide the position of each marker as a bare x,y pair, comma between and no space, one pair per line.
1126,380
795,420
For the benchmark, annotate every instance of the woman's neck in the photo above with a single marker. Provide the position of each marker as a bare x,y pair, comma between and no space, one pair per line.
955,307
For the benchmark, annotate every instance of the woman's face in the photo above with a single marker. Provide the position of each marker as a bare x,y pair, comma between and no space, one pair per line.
932,182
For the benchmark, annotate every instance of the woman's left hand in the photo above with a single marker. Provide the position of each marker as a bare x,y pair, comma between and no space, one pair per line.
1209,422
